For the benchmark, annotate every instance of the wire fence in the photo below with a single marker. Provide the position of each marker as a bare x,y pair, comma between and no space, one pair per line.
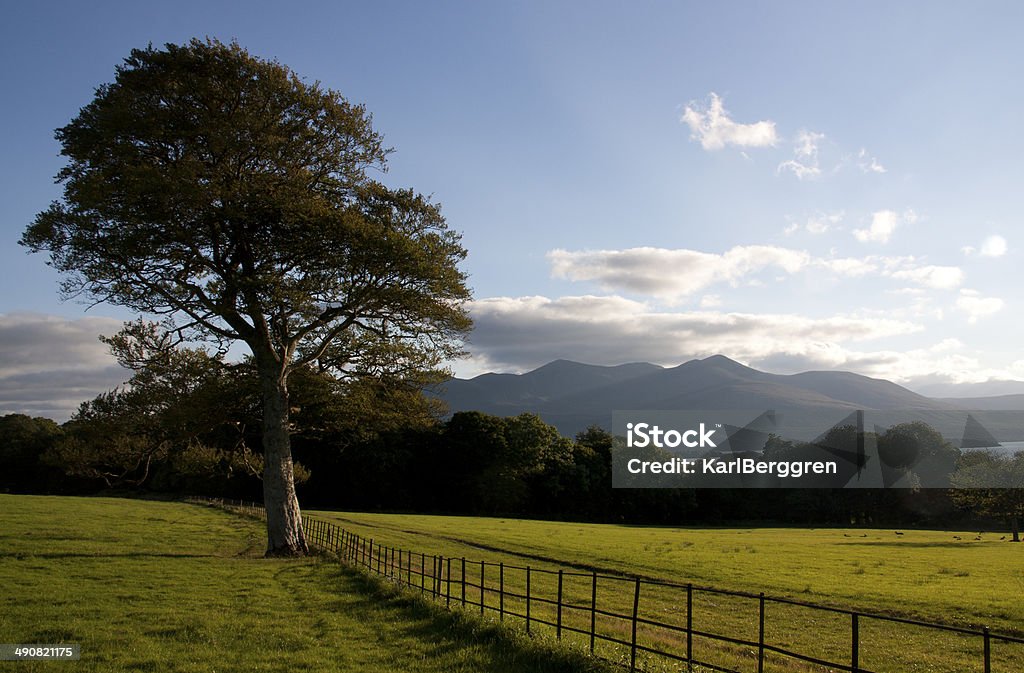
613,616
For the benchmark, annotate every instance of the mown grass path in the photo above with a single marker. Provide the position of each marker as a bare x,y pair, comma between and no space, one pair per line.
156,586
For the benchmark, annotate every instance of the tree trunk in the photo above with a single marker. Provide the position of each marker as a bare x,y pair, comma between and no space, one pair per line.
285,536
1015,522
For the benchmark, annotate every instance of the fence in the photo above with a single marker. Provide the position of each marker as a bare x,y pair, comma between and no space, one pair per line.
567,602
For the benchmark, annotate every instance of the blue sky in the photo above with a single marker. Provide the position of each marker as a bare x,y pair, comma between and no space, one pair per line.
794,185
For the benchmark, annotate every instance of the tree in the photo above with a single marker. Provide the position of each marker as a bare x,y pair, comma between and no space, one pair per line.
919,447
23,440
992,485
181,414
227,195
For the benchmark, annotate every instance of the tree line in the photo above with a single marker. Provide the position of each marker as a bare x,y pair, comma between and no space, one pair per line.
188,422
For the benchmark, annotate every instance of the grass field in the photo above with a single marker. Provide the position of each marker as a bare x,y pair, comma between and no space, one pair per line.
153,586
927,575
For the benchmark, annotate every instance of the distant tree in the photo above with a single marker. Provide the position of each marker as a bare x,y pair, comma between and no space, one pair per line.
182,410
23,441
231,197
991,485
919,448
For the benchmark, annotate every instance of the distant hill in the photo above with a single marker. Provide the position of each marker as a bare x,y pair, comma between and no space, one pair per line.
510,394
572,396
994,388
996,403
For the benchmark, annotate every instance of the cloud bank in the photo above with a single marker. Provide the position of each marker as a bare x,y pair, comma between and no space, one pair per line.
522,333
675,273
49,364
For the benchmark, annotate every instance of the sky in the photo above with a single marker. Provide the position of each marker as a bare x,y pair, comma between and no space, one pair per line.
795,185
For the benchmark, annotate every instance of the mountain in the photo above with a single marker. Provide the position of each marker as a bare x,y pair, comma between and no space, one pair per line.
995,403
991,388
510,394
572,396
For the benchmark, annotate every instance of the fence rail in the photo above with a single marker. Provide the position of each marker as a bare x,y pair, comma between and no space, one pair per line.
540,597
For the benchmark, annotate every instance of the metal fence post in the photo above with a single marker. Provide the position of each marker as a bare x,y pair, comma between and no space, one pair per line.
760,635
988,651
481,588
636,609
689,627
558,620
593,610
501,591
448,585
855,642
462,576
527,600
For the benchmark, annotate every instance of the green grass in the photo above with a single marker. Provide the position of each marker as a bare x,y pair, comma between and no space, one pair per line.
927,575
150,586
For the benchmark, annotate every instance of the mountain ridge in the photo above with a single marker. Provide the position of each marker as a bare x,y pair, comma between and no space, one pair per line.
572,395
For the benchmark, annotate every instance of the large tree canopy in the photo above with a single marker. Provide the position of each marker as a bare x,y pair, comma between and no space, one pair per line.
229,196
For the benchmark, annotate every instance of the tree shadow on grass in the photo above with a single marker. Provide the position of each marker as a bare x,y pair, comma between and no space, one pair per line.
27,555
907,543
497,648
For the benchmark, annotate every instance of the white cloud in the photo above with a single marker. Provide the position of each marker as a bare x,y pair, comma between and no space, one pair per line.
849,266
671,273
901,268
935,277
713,127
819,223
804,164
993,246
49,364
869,164
883,224
710,301
971,303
